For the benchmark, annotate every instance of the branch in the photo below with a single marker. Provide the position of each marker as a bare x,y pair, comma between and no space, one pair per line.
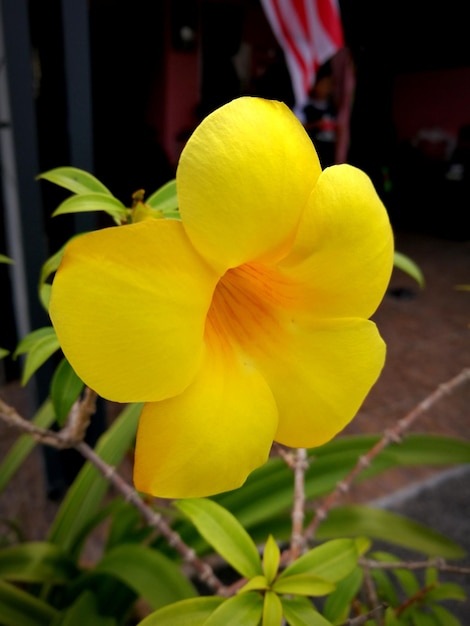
439,564
297,542
393,435
71,436
362,619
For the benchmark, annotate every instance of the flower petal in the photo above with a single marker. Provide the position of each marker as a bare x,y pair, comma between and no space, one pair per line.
343,254
129,305
320,376
208,439
243,181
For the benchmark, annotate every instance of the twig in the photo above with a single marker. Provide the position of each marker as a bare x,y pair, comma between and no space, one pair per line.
370,592
68,438
297,542
286,455
439,564
393,435
362,619
417,597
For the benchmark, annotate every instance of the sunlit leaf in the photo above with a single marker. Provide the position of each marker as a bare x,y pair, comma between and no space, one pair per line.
330,561
407,265
4,353
244,608
66,387
93,202
272,610
193,612
271,557
5,259
300,612
75,180
224,533
257,583
303,585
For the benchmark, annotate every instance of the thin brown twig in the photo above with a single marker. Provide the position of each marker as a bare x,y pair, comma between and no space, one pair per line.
363,619
297,541
439,564
393,435
71,436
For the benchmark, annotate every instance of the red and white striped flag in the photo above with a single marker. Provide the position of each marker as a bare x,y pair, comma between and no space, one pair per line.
309,32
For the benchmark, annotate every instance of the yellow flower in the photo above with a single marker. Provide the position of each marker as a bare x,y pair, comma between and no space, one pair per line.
246,322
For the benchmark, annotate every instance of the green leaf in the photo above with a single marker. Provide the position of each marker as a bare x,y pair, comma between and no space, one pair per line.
33,338
17,607
24,445
303,585
244,608
40,345
361,520
407,265
384,586
5,259
4,353
93,202
445,617
272,610
338,603
391,619
48,268
224,533
39,562
257,583
84,497
446,591
165,198
150,574
193,612
271,558
300,612
421,619
75,180
268,491
330,561
66,386
408,581
84,611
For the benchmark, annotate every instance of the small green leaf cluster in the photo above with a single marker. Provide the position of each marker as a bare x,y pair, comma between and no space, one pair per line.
270,594
414,601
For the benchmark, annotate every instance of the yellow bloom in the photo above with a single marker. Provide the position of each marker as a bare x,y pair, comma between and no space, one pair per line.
246,322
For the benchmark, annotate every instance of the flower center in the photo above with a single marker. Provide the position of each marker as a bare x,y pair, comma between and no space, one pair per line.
248,306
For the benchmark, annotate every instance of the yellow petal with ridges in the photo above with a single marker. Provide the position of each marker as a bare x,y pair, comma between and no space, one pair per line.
129,305
343,254
208,439
243,181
